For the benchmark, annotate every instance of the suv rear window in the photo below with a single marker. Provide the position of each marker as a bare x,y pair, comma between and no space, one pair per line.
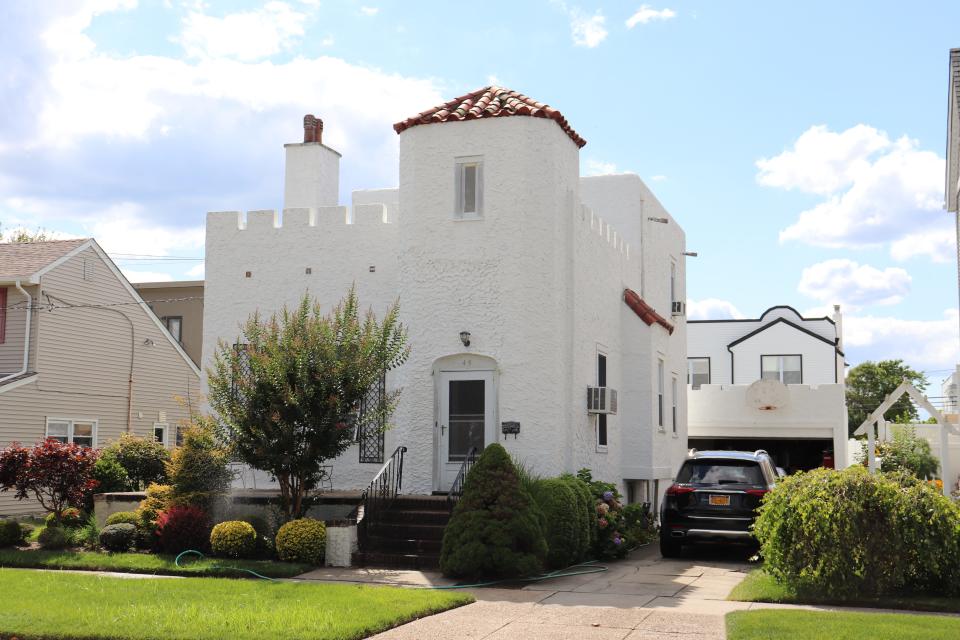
720,472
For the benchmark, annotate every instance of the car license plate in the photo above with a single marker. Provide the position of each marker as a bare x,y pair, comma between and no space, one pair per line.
719,500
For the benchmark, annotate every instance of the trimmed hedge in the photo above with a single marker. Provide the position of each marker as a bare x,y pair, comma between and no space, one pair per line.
850,533
495,530
118,537
123,517
10,532
303,540
561,510
585,529
233,539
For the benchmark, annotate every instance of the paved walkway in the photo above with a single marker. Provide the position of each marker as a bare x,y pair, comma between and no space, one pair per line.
643,597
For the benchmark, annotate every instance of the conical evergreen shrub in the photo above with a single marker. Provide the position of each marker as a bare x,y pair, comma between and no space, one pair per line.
495,529
561,507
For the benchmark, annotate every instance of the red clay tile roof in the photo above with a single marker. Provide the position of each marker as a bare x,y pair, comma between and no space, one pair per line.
490,102
23,259
645,311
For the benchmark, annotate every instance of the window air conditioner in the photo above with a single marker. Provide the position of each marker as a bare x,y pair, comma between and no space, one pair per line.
601,400
678,308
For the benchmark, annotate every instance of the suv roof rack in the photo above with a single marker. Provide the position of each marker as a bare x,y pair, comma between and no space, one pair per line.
692,452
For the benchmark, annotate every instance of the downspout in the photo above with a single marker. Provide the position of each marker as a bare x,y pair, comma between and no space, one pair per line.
26,338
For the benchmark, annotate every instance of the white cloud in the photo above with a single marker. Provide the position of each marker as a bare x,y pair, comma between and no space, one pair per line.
848,283
246,35
646,14
658,178
197,272
124,228
940,245
135,275
592,167
712,309
923,344
369,11
587,31
877,191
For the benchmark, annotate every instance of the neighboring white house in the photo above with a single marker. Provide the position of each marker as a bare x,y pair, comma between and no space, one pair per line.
521,283
774,383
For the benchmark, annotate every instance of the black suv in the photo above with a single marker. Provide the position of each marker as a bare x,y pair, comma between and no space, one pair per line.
714,498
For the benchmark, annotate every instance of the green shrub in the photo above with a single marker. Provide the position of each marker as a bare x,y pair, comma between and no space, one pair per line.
26,530
560,506
71,518
303,540
265,533
110,475
86,536
118,537
586,530
233,539
610,531
142,459
850,533
495,528
157,500
640,525
198,470
123,517
53,538
10,532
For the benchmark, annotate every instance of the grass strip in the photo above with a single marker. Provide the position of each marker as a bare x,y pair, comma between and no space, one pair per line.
774,624
154,564
760,586
43,605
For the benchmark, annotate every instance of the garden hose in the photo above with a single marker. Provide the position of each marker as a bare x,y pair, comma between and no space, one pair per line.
197,553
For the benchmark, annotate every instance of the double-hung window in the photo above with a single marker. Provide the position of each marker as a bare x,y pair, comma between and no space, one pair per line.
698,372
160,432
468,194
660,394
174,325
601,417
81,432
787,369
673,409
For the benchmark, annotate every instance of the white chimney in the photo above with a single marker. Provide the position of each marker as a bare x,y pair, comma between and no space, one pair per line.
838,320
312,177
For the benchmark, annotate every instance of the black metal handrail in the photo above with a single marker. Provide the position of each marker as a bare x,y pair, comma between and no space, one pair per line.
381,493
456,489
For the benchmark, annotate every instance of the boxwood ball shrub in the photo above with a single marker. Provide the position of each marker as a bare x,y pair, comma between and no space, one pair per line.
560,506
53,538
123,517
118,537
10,533
182,528
494,531
303,540
233,539
852,533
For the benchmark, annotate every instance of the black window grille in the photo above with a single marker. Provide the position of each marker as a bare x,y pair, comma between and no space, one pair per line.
372,422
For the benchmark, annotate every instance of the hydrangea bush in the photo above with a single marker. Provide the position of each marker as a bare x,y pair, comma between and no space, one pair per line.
610,526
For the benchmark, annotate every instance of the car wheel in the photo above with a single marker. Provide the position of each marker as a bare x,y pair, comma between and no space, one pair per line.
670,548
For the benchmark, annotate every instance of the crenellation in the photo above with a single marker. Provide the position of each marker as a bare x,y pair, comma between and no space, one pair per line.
262,219
299,217
225,221
369,214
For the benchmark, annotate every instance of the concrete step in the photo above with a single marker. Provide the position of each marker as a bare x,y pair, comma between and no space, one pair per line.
396,560
407,530
393,545
415,516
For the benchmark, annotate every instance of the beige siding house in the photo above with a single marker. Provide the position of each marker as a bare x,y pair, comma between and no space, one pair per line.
179,305
82,357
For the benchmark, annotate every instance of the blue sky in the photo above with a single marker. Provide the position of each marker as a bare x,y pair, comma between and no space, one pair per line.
800,145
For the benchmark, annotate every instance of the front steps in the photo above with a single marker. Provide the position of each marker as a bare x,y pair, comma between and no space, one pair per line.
408,535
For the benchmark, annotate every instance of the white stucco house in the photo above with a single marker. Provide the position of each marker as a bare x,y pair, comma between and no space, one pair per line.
774,383
522,284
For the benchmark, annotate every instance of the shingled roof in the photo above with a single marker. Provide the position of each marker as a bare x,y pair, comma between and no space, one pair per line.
490,102
23,259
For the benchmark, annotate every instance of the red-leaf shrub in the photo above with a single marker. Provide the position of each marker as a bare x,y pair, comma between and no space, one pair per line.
182,528
57,475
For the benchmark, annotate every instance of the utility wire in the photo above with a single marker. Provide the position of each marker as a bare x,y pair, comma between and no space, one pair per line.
52,306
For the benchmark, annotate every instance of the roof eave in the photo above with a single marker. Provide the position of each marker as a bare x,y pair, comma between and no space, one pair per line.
953,133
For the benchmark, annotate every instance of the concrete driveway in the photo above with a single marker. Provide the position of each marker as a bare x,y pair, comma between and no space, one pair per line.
644,596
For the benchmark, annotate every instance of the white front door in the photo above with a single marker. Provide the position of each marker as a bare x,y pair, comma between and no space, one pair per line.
466,419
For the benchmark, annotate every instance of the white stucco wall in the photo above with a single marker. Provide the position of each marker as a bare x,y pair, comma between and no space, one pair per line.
538,282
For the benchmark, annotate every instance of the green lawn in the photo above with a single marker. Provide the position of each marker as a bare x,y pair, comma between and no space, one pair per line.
66,605
774,624
144,563
761,587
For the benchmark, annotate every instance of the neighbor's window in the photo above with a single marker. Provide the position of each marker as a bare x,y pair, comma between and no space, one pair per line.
698,372
160,432
673,410
174,326
786,369
469,188
81,432
601,417
660,394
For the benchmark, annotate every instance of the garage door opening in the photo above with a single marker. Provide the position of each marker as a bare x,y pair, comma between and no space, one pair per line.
790,455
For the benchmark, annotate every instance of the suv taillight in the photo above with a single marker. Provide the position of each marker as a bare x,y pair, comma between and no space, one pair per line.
678,490
757,492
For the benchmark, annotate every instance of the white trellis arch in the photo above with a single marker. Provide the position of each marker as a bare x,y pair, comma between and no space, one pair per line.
869,427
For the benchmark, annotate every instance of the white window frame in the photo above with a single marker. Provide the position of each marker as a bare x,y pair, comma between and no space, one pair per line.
780,367
673,409
601,448
459,191
660,394
690,370
70,424
166,432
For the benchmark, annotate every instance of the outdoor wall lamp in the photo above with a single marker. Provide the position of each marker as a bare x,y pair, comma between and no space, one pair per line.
465,338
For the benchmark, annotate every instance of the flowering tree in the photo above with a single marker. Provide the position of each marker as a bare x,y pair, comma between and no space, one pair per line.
57,475
289,392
